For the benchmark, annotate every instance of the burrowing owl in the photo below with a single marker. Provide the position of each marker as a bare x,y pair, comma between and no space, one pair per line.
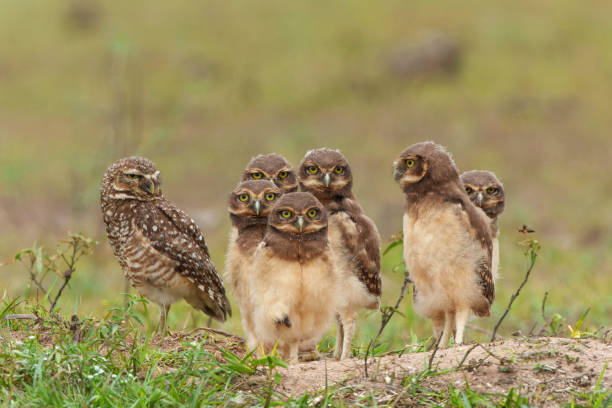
447,241
294,279
487,192
272,167
249,206
160,248
353,238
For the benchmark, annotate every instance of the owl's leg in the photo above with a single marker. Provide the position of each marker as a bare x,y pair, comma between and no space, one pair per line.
461,317
163,314
293,351
339,337
448,328
349,323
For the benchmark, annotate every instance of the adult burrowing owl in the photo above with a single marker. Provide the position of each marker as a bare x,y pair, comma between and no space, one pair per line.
294,280
160,248
447,241
353,238
273,167
249,206
487,192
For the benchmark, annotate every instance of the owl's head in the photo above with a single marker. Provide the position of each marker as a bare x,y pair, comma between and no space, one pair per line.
272,167
134,178
298,215
252,200
485,190
325,172
424,164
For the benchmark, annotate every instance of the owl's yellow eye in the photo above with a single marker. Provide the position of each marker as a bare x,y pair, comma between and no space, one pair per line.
468,190
270,196
256,175
491,190
312,213
132,176
286,214
339,170
283,174
243,197
312,169
409,163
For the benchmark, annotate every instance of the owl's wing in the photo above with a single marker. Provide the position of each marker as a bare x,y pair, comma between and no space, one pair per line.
480,229
365,247
174,233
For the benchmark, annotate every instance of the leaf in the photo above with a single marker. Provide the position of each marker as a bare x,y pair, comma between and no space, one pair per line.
391,246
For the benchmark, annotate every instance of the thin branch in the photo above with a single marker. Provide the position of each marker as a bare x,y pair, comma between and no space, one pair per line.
435,350
467,353
544,306
533,256
61,289
386,317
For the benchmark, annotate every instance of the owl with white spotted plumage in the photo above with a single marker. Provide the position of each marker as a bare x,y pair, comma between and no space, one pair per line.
160,248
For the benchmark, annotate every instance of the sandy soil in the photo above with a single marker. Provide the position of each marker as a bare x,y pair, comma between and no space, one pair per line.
546,368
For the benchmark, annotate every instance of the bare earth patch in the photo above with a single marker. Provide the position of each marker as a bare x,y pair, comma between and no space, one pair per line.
545,368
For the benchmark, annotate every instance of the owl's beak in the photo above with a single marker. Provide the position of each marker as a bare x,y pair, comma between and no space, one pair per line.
480,197
149,187
396,174
257,207
326,179
300,223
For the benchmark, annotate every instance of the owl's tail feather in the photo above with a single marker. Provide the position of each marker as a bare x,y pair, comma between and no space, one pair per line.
213,308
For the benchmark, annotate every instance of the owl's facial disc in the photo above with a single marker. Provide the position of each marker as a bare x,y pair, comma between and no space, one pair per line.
409,170
136,184
253,204
319,178
298,222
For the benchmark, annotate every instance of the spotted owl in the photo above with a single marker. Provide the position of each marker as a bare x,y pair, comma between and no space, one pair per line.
249,205
272,167
294,278
447,241
160,248
353,238
487,193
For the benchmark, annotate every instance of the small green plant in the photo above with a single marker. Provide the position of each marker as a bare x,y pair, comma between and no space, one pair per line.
40,264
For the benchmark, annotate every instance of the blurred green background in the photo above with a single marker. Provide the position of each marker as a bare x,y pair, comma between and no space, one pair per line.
518,87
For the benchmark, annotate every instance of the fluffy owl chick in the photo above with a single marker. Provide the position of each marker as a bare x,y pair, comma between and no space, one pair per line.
294,281
447,241
273,167
160,248
353,238
248,207
486,192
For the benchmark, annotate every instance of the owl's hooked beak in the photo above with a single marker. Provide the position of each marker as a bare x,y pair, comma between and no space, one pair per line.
300,223
396,174
479,197
149,186
326,179
257,207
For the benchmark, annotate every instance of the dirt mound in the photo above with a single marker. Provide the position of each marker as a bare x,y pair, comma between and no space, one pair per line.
546,369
